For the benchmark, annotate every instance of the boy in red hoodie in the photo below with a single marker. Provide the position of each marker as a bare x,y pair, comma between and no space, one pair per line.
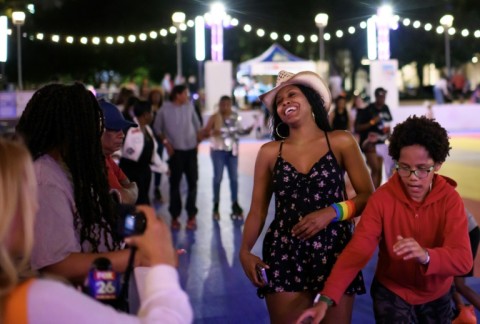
417,219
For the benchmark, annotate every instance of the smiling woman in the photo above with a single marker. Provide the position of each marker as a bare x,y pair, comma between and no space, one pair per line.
304,168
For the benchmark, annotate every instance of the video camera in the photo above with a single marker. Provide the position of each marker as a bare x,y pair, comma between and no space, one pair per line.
102,282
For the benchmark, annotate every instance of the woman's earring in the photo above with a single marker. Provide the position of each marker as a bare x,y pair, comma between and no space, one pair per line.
278,133
313,115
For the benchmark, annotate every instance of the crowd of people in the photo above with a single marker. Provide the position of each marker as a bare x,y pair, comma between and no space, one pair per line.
76,160
455,87
59,217
310,268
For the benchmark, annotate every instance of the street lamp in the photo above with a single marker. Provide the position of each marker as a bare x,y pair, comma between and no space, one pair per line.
321,20
178,18
447,22
18,19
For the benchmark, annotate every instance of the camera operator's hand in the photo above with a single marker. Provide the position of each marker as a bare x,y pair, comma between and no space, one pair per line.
155,245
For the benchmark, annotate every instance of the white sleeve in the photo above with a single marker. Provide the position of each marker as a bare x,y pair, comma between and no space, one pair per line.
160,292
163,302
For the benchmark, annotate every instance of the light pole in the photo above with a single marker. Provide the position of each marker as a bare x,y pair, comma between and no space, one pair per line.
447,22
200,47
3,47
321,20
18,19
216,18
178,19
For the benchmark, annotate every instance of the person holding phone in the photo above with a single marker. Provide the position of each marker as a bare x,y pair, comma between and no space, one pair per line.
304,168
29,299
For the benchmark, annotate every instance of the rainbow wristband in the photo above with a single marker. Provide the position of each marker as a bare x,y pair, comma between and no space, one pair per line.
344,210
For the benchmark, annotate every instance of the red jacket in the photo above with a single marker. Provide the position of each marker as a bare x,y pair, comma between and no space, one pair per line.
438,223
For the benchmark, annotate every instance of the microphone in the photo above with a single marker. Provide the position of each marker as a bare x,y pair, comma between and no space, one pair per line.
102,283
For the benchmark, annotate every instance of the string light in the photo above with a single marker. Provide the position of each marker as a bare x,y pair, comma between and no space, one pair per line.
260,32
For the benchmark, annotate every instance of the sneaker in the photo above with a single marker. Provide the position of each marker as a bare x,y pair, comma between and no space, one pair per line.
466,315
192,224
175,225
216,214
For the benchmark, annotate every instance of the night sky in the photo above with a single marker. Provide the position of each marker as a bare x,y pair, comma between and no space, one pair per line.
45,60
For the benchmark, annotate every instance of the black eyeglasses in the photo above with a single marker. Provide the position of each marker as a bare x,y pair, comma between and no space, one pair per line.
405,172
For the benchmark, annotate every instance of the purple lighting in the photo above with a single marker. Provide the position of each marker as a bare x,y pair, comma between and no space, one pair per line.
217,42
217,19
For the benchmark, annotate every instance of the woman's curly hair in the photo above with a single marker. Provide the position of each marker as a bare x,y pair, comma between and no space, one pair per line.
420,131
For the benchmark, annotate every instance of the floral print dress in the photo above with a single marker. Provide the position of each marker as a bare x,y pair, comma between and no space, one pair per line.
297,265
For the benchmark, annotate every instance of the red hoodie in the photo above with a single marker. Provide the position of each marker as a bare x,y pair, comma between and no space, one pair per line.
438,224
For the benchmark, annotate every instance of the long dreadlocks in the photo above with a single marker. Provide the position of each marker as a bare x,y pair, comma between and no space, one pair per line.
67,118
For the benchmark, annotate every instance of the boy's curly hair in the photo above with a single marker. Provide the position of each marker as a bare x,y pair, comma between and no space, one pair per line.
420,131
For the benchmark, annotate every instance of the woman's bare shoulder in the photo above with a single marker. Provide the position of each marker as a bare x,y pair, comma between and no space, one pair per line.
341,138
270,149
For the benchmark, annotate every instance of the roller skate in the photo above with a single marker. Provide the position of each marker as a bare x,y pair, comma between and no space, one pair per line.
216,214
237,212
191,223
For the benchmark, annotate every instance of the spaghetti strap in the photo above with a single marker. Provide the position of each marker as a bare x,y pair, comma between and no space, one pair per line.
280,149
345,195
328,142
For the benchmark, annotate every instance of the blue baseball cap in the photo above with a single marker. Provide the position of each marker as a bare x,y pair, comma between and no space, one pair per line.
114,119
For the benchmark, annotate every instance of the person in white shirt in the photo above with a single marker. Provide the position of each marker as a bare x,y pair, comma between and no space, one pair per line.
26,299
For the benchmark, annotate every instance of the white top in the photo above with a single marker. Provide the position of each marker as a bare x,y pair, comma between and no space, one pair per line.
162,301
442,84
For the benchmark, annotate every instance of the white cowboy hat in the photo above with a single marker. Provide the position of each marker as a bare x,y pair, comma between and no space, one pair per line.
306,78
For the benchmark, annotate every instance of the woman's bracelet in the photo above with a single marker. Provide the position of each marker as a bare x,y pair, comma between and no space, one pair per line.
344,210
327,300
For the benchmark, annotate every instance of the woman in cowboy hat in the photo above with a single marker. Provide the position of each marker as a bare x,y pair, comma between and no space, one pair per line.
304,168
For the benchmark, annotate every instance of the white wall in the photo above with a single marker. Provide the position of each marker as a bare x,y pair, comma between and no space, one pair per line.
218,82
453,117
385,74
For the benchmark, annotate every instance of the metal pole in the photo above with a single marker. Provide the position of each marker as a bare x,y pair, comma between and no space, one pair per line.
321,44
179,53
200,75
19,58
447,51
3,78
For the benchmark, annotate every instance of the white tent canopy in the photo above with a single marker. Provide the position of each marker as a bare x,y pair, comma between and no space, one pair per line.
272,61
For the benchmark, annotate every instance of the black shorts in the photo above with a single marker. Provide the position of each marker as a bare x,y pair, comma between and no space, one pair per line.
390,308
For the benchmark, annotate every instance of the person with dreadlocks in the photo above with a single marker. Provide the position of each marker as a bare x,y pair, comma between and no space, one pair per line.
62,126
